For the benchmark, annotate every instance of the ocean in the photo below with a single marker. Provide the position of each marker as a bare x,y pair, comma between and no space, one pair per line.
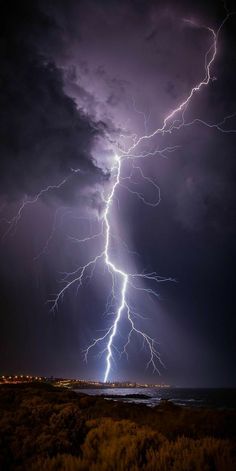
187,397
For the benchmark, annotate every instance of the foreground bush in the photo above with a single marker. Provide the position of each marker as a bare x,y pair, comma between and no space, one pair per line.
49,429
122,446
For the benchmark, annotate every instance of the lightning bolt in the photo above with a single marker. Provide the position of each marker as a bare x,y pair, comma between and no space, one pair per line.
119,301
169,124
12,223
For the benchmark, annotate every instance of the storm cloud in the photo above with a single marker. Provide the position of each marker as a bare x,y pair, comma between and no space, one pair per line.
74,77
43,133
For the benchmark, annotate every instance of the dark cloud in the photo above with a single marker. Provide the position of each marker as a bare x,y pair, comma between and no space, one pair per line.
73,75
43,134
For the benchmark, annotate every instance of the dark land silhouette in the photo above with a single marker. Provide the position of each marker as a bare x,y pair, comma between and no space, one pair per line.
43,427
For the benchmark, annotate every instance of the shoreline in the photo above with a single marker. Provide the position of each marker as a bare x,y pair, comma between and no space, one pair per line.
48,428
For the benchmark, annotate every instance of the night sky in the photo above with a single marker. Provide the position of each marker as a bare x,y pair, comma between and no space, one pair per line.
74,77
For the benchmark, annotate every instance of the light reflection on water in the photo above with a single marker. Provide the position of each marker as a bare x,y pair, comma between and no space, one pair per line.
213,398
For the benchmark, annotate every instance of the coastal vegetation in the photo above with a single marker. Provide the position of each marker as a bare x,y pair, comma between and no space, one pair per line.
54,429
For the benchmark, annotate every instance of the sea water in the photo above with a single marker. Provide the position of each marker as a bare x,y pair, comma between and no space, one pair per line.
187,397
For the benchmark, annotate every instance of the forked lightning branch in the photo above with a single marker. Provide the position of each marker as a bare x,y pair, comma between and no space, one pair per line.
124,285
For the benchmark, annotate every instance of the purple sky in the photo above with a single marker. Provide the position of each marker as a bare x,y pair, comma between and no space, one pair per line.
76,77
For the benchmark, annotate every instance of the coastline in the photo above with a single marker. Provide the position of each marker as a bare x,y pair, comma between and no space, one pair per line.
46,427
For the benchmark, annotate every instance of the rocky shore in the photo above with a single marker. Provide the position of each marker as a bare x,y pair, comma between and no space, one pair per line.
53,429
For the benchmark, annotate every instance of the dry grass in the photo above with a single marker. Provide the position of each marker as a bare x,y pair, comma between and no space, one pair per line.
56,430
